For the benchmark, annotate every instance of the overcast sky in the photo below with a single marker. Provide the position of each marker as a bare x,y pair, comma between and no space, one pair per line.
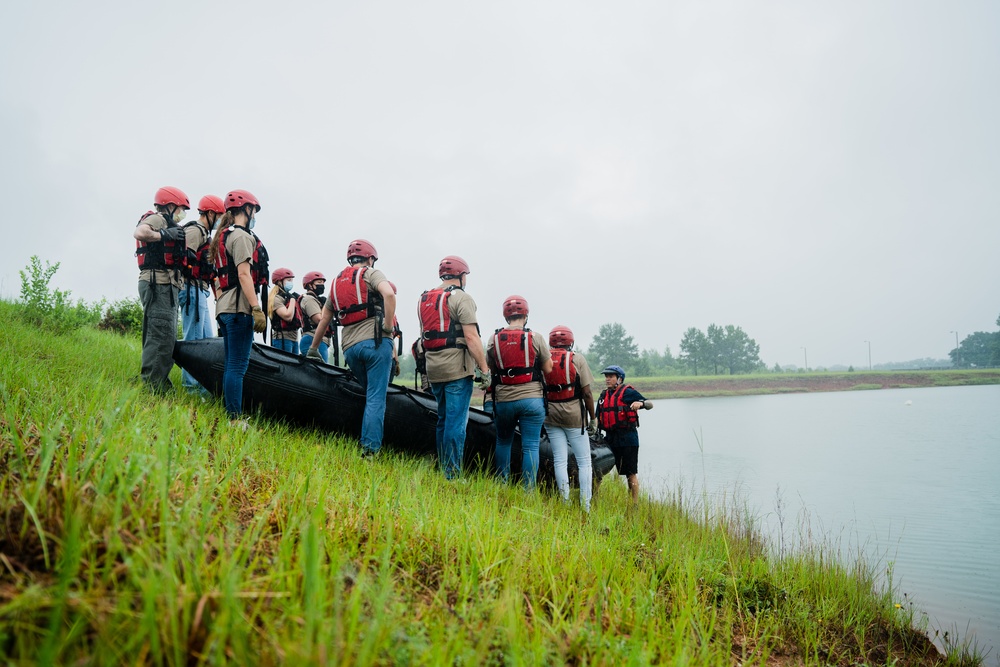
820,174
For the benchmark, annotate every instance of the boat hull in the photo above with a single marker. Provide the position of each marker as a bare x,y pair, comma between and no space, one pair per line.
309,392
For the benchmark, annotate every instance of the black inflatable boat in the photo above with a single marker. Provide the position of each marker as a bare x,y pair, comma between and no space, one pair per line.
305,391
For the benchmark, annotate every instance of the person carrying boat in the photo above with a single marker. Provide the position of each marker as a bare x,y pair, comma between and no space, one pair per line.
195,320
240,262
453,351
160,251
363,303
571,413
617,416
283,310
518,359
311,306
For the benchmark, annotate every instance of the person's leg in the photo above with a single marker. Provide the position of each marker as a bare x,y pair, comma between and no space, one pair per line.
437,388
458,396
633,486
531,419
372,365
238,334
557,438
579,442
324,351
160,334
504,417
204,324
304,343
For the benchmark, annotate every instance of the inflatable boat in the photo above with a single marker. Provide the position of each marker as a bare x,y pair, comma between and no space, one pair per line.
309,392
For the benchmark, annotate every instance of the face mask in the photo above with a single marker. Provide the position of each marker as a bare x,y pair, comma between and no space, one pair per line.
179,214
253,221
318,289
289,285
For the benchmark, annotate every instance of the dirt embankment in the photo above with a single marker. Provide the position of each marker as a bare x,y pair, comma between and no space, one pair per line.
685,387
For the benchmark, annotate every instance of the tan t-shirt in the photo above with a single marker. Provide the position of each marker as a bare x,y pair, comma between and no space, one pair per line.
163,276
506,393
279,301
570,414
452,363
240,245
194,236
311,305
365,329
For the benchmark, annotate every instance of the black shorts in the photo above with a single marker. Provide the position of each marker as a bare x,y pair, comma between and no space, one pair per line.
626,460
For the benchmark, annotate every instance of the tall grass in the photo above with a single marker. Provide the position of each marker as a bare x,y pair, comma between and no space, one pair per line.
144,530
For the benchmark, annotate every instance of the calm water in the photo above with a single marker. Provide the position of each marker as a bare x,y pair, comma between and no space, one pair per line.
911,476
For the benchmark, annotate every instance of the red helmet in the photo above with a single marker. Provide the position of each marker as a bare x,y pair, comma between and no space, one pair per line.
312,277
281,274
561,336
515,305
211,203
171,195
237,198
452,265
361,248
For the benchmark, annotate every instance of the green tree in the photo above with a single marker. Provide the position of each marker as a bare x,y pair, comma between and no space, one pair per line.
695,351
733,350
612,345
979,349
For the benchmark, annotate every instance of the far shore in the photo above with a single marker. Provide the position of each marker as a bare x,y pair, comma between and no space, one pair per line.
785,383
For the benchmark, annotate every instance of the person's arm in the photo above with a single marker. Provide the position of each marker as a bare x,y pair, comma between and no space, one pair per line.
639,402
321,327
145,233
287,311
475,344
246,284
388,305
588,401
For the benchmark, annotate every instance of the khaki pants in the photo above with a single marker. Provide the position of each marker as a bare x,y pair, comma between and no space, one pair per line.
159,332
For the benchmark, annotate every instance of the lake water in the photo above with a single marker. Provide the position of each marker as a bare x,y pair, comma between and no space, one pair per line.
911,476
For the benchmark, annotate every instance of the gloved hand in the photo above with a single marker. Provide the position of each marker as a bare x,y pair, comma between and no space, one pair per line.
295,296
173,234
592,427
313,353
395,367
259,321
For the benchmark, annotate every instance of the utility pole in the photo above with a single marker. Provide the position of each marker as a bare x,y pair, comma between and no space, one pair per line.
958,354
805,358
869,354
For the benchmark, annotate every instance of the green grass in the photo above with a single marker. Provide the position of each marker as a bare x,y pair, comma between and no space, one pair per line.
143,530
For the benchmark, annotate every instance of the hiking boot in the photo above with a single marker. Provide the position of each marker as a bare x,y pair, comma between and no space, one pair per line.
370,454
241,423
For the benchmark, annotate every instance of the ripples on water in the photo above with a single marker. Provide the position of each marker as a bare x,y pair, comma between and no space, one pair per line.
913,484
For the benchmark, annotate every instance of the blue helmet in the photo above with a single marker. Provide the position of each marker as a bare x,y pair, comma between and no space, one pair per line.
615,370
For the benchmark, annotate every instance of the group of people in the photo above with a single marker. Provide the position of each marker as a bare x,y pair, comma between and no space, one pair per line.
533,382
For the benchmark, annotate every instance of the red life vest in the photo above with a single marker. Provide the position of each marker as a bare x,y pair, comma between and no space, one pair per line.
614,412
351,300
513,355
562,384
159,255
196,264
225,268
439,331
278,323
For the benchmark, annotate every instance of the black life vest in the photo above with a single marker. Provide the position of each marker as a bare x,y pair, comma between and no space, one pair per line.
226,270
614,412
438,329
514,358
278,323
196,264
351,299
308,326
159,255
562,383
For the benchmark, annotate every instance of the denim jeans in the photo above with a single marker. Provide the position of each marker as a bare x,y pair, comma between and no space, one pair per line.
196,324
159,333
237,340
453,400
562,439
286,345
307,340
529,413
371,366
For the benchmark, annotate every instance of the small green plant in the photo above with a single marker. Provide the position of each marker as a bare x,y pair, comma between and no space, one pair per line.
123,316
53,308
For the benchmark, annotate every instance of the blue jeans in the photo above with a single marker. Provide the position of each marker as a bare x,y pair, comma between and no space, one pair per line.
237,340
196,324
307,340
371,366
286,345
453,399
530,414
576,438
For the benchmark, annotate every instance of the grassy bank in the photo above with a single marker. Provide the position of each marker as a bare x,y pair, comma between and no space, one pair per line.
144,530
784,383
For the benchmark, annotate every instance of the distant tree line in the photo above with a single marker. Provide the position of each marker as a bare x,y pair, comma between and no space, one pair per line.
978,350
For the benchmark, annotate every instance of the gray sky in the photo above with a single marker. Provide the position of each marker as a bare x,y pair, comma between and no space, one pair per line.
820,174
